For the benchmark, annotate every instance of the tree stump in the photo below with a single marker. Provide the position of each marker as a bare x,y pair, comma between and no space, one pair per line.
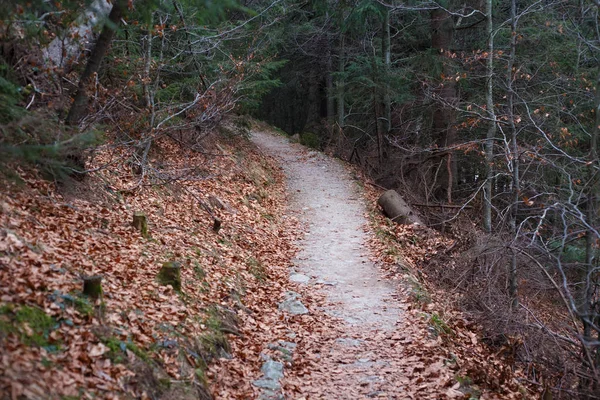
140,223
170,274
395,208
92,286
217,225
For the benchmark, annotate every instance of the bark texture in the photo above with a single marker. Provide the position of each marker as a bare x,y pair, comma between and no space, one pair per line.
170,274
80,102
140,223
395,208
92,286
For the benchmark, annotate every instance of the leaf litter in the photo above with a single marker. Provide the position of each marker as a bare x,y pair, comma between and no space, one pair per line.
50,239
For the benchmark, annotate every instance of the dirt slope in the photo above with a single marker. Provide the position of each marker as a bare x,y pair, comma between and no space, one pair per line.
141,339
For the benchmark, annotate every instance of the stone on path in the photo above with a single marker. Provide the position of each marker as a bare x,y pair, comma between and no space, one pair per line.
269,384
299,278
292,305
272,373
349,342
326,283
272,370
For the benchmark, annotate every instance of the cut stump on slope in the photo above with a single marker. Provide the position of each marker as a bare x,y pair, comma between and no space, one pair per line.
217,225
140,223
92,286
170,274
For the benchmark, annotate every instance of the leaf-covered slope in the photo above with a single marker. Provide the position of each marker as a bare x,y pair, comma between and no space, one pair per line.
141,338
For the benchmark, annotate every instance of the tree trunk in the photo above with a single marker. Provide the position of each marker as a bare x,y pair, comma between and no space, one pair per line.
514,152
330,90
379,125
340,84
491,132
78,109
387,61
314,101
444,117
147,63
189,44
395,208
588,313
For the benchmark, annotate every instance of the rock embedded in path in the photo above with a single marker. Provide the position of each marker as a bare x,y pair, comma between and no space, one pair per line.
272,373
299,278
326,283
287,345
291,295
268,384
272,370
285,349
292,305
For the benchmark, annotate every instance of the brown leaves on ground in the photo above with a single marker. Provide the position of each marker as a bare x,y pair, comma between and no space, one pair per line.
404,251
50,240
142,335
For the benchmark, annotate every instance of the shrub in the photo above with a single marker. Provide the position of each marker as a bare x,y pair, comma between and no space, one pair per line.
35,138
311,140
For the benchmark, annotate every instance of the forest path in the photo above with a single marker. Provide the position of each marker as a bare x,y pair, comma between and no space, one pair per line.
333,253
367,356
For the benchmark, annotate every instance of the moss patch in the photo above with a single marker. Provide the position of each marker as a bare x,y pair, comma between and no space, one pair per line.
257,269
31,324
81,304
213,343
117,349
439,325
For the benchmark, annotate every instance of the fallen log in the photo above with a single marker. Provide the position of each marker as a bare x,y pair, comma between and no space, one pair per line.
395,208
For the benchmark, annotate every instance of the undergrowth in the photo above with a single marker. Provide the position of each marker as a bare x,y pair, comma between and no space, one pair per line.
30,324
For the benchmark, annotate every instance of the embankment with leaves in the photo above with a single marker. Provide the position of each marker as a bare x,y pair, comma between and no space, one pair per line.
141,337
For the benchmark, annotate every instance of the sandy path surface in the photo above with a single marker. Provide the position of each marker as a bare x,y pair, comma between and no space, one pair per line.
377,352
333,253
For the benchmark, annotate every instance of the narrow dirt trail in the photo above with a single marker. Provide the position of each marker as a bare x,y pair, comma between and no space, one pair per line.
334,252
369,357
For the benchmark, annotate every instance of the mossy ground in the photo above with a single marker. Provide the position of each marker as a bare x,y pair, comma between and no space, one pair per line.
31,324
